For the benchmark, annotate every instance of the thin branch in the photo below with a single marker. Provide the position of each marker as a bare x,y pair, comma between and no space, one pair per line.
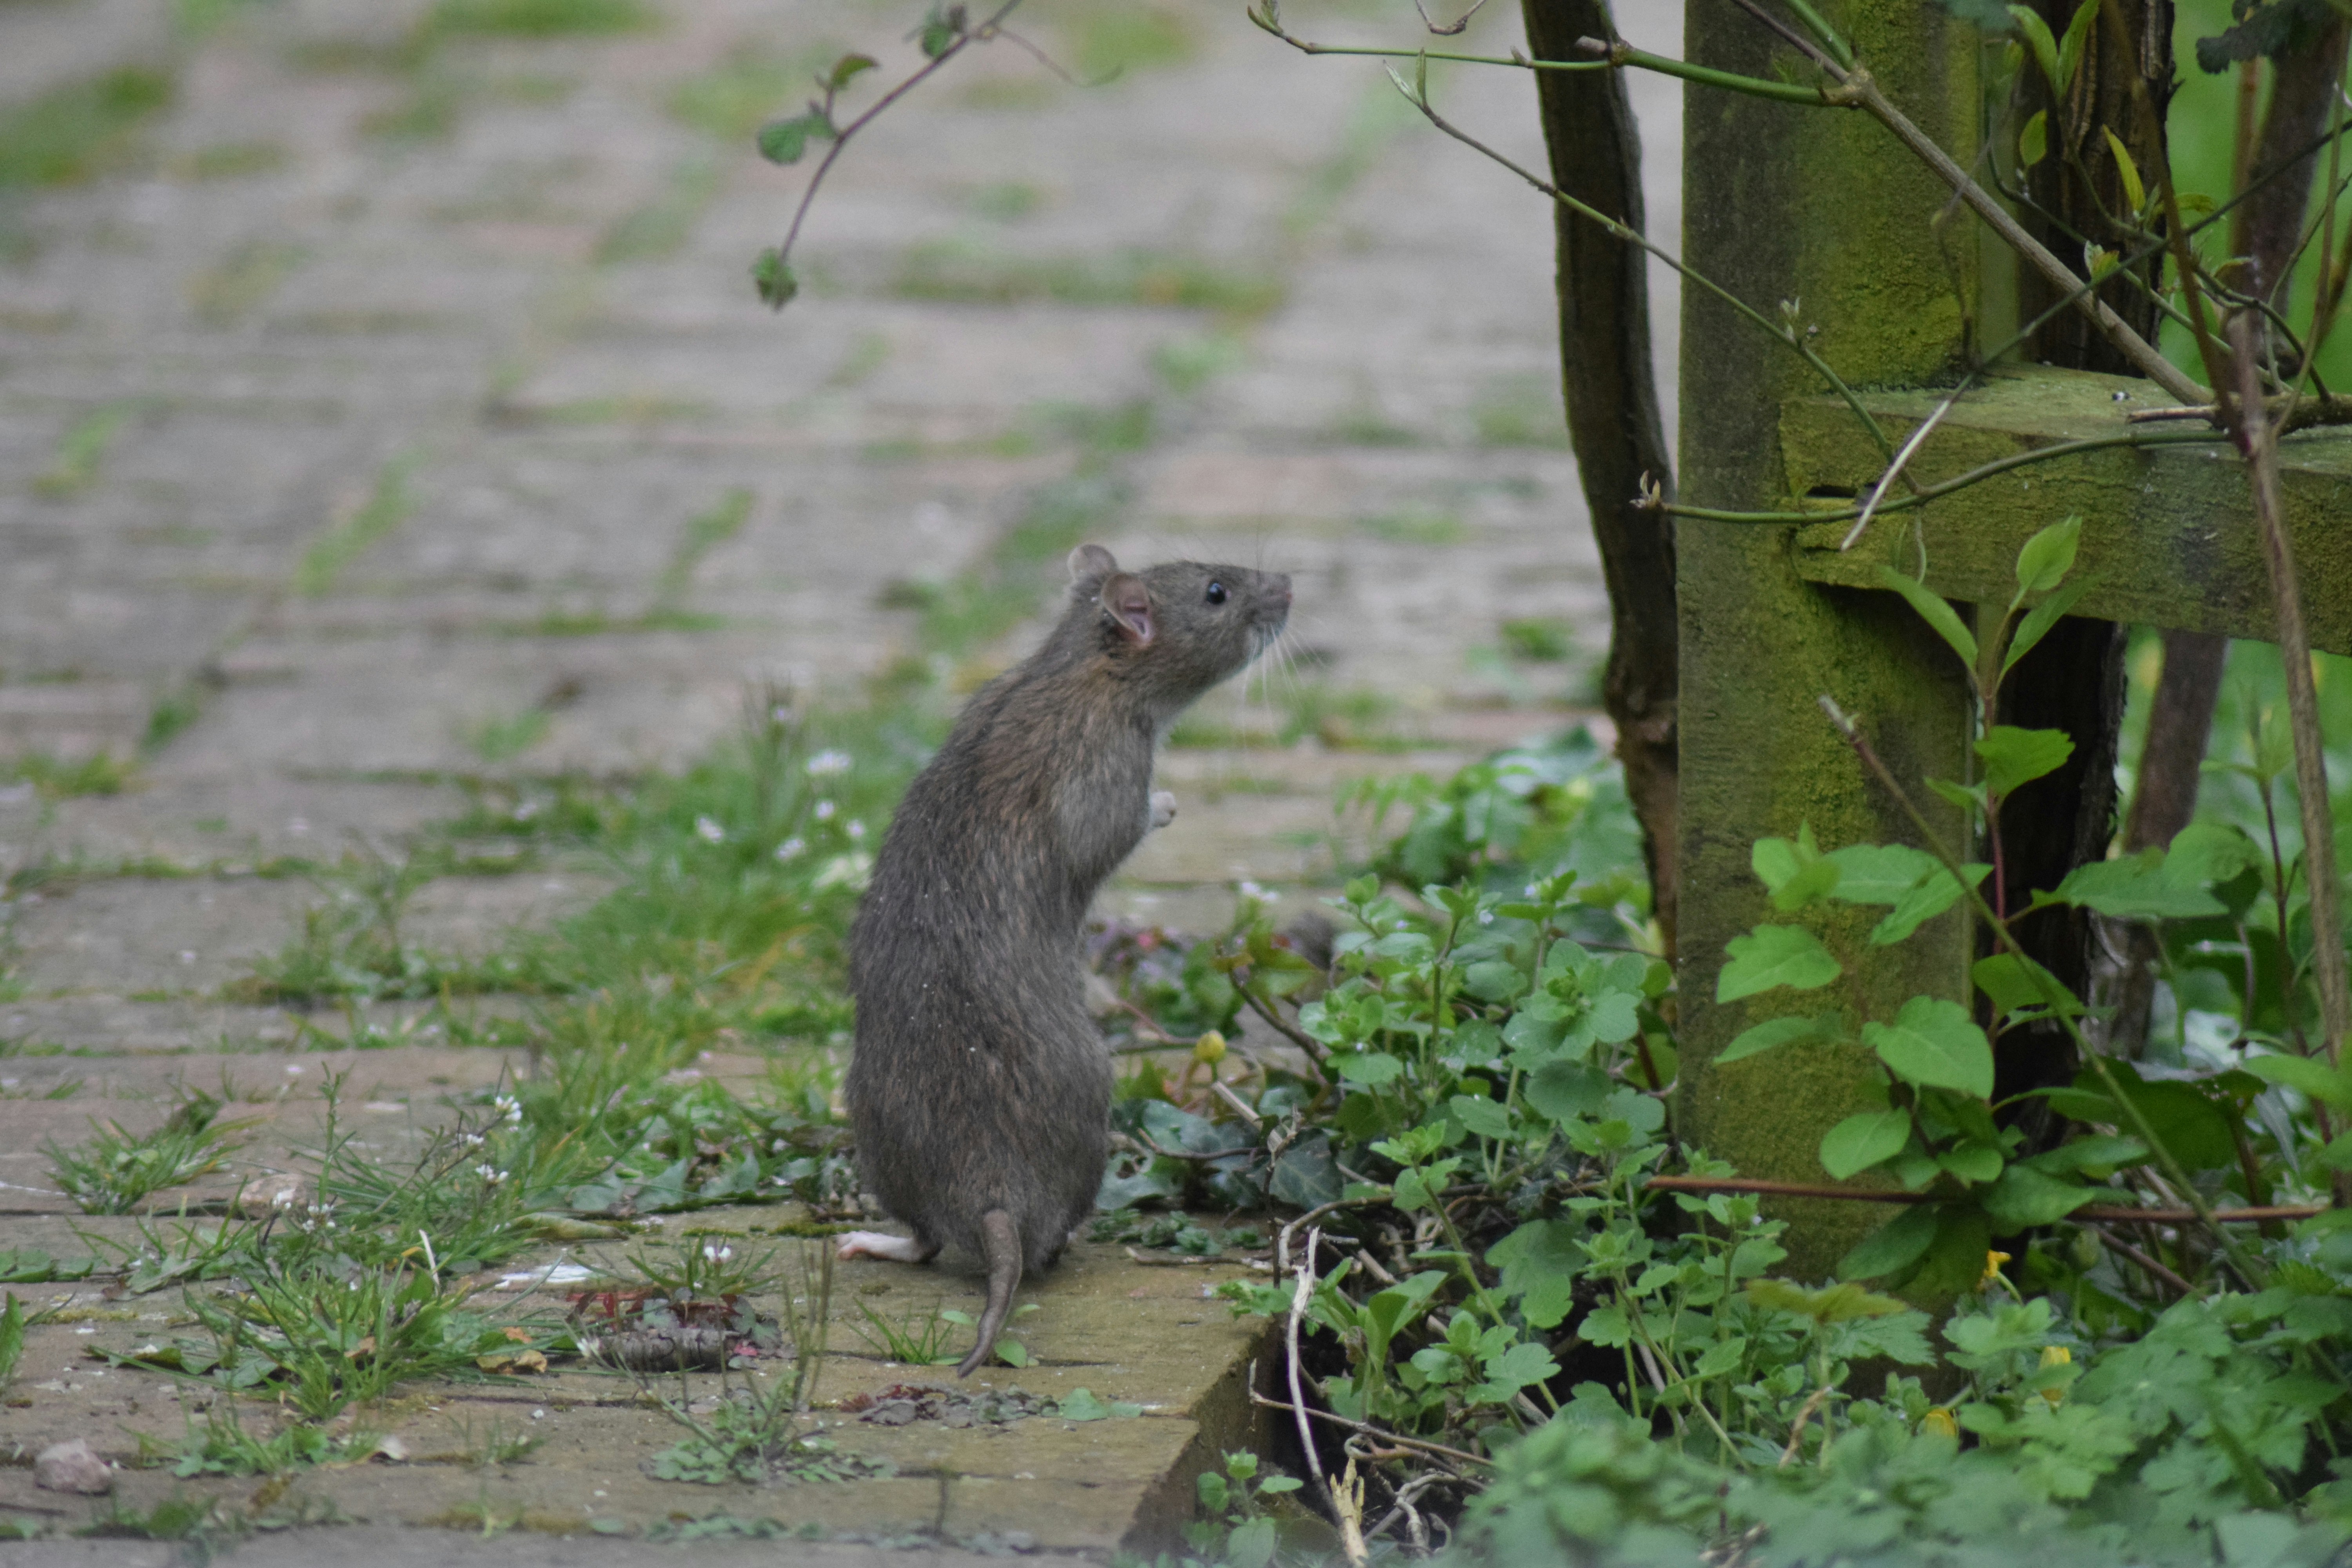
1299,1297
1269,20
1783,334
1370,1430
983,33
1317,1051
2148,1265
2283,413
2259,446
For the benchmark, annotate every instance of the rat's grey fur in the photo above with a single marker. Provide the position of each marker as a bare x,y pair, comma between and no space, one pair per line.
980,1092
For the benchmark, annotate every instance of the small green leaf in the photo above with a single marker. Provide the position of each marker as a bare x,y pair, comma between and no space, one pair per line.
783,140
1771,1032
1831,1304
2314,1079
2036,34
2033,141
848,69
2013,985
2024,1197
2134,888
1966,797
1935,611
2013,756
2135,191
2069,47
1481,1115
1371,1068
1772,956
1892,1246
1922,903
2038,622
2046,559
776,283
1975,1163
1864,1140
1880,873
1935,1042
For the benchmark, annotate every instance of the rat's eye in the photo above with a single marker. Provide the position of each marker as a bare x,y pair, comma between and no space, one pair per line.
1216,593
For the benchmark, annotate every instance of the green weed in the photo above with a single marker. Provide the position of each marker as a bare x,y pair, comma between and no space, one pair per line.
80,449
503,740
704,532
734,98
12,1340
54,778
220,1446
963,272
111,1171
1519,411
662,227
350,537
1110,40
1544,639
539,19
73,133
919,1338
225,294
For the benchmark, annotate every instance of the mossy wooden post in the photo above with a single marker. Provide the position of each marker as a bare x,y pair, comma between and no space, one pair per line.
1825,210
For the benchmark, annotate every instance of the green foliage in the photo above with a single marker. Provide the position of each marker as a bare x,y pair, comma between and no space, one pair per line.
111,1171
73,133
1238,1529
12,1339
53,779
538,18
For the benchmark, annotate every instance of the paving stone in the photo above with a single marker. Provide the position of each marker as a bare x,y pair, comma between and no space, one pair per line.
401,454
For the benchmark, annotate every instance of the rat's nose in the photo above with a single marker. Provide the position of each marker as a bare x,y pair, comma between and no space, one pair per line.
1281,590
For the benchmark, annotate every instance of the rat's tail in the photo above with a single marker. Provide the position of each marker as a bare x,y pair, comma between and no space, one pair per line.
1000,1243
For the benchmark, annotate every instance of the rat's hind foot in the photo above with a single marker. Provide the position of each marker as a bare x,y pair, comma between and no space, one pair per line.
883,1245
1163,808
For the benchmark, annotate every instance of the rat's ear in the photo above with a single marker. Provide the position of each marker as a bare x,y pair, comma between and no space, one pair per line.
1091,562
1128,606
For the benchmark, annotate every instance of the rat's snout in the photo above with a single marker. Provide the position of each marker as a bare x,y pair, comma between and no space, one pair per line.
1277,588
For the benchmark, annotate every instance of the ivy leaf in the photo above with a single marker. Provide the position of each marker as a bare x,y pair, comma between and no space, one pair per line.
1892,1246
1937,892
774,277
2314,1079
1934,608
783,140
2024,1197
2134,888
2033,139
2012,983
1772,956
1865,1140
1935,1043
849,68
1772,1032
2049,555
2135,191
1880,873
2038,622
2013,756
2036,34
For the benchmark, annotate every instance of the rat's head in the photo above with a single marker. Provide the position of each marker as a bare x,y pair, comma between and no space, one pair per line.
1175,630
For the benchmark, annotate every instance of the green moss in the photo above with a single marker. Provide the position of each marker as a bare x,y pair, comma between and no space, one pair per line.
73,133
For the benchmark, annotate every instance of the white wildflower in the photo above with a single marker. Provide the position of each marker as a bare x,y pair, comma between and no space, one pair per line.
709,831
791,848
825,810
824,765
856,829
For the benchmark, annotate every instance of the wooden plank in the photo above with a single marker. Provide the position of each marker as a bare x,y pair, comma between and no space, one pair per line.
2167,533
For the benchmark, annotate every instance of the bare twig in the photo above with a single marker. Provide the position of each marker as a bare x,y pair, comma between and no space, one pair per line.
1421,1444
1299,1297
1797,1430
2284,413
2259,444
1317,1051
2148,1265
1239,1106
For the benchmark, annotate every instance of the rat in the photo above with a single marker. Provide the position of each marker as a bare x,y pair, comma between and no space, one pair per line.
980,1090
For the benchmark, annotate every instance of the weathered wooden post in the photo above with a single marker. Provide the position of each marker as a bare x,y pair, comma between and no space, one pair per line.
1828,211
1823,210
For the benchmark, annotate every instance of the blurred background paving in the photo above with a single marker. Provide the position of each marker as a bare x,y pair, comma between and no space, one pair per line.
384,405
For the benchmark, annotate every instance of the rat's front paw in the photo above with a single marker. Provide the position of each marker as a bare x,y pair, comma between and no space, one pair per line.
1163,808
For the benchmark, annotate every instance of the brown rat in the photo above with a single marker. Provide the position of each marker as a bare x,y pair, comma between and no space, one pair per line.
980,1092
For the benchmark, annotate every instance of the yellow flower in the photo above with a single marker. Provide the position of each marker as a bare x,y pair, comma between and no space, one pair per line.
1993,1260
1209,1048
1940,1421
2055,1355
